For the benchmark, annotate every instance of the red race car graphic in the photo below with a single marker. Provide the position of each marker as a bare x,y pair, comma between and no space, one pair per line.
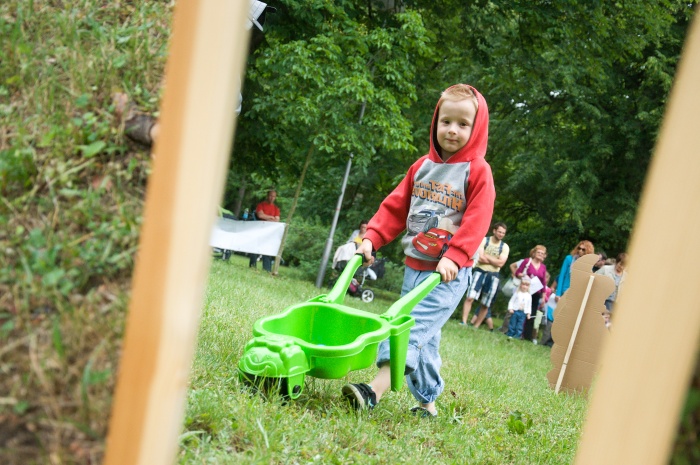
432,243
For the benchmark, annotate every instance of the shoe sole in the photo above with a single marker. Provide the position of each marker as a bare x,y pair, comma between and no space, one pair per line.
355,398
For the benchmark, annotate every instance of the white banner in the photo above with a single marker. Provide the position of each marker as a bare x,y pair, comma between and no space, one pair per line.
260,237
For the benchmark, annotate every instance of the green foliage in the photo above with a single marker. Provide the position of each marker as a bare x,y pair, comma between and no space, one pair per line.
572,127
393,278
72,188
338,87
16,169
306,240
575,126
519,423
687,447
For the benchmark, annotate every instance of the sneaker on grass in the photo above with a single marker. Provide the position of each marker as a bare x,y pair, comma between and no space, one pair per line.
361,396
423,412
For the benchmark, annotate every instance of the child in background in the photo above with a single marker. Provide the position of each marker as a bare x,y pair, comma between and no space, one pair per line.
606,319
541,308
448,192
519,307
549,307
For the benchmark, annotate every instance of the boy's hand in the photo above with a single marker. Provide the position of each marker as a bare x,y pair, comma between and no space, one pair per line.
510,310
447,269
366,249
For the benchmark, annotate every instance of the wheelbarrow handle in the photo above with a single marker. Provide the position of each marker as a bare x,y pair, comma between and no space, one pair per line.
337,294
405,304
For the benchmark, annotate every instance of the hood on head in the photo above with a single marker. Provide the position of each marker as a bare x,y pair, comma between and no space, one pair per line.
476,146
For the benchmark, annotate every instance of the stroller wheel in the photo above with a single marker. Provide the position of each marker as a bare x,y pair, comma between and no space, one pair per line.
367,295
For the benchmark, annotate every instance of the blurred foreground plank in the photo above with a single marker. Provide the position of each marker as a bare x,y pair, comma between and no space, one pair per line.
208,48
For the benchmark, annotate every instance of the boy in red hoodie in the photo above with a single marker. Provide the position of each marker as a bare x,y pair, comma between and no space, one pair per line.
447,196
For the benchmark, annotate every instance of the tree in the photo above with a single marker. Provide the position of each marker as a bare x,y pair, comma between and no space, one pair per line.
308,94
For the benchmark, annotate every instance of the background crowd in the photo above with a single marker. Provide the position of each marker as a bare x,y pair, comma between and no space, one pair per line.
532,293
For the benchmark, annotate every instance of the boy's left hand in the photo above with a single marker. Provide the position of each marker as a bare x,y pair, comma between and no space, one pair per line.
447,269
365,249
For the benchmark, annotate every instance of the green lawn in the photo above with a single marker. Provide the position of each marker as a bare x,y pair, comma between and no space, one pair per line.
490,384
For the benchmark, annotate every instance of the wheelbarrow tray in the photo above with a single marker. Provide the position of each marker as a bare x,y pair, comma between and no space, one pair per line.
335,338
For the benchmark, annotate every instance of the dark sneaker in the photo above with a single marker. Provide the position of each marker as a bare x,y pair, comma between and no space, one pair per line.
361,396
423,412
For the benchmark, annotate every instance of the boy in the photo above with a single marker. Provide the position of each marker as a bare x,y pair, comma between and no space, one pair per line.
520,307
445,203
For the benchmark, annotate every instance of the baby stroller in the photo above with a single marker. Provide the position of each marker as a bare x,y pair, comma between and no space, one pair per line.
357,285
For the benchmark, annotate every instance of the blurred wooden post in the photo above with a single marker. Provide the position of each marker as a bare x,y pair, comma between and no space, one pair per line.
208,47
634,411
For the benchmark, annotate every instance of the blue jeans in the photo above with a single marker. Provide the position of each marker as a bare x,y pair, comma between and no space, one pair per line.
517,321
267,261
423,361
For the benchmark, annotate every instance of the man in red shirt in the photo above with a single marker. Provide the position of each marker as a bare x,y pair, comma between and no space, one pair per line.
266,211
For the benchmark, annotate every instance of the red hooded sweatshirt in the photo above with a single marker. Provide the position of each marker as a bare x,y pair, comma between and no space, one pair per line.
456,195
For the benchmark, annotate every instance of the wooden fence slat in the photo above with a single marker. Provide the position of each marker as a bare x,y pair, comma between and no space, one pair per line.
208,47
647,364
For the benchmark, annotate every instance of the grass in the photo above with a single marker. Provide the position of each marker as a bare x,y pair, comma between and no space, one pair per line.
71,198
494,388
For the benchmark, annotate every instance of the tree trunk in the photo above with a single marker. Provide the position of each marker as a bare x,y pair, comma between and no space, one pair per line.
309,154
239,199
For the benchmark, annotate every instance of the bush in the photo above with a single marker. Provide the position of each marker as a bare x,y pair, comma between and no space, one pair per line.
306,239
392,279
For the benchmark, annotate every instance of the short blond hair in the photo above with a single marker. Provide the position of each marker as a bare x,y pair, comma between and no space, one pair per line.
459,92
534,250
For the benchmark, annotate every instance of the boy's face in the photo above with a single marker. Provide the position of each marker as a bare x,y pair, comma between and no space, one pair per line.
455,122
525,287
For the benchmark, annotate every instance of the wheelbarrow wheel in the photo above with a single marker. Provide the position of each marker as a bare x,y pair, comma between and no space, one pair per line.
367,295
265,385
269,386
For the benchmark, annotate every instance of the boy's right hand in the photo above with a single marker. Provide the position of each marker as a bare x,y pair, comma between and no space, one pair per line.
510,310
366,250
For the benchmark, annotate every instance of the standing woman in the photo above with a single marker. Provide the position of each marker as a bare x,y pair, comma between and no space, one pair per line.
583,248
617,273
534,268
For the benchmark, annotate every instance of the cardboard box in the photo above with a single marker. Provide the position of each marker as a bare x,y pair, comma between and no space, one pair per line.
579,314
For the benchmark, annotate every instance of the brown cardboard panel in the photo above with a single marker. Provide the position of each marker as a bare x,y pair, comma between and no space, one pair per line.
583,360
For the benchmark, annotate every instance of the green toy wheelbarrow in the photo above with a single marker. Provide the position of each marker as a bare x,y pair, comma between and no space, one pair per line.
325,339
